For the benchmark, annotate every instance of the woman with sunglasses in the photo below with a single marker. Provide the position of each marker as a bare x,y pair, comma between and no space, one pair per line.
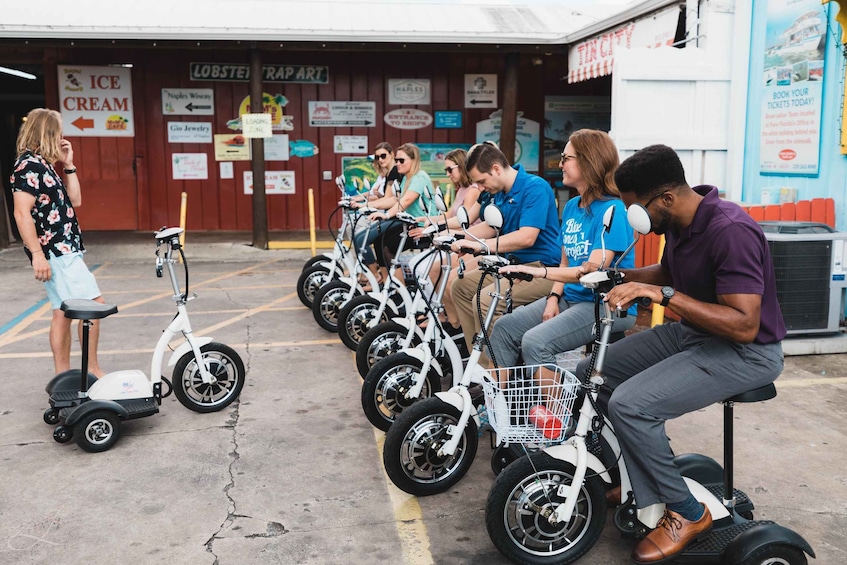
411,199
386,170
563,320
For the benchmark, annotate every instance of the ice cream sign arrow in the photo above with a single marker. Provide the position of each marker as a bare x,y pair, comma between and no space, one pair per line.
83,123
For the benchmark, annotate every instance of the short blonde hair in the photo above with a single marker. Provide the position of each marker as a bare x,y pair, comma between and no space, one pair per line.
41,133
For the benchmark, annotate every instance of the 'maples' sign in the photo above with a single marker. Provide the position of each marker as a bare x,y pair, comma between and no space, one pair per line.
235,72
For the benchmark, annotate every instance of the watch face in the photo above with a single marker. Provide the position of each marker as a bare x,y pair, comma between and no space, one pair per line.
667,291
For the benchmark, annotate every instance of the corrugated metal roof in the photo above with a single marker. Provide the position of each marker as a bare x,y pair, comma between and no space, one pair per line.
412,21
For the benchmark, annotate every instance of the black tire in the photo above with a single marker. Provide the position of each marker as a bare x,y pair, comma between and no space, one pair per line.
97,431
521,533
224,364
385,384
410,454
311,261
63,434
356,316
776,554
51,416
505,455
310,281
378,343
328,303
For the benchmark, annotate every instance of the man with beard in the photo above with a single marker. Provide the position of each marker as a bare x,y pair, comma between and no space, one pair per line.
717,274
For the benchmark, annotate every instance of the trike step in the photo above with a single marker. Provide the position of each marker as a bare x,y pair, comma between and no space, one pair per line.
716,541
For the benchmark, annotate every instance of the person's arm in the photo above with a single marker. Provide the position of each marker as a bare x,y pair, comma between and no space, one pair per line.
24,202
66,161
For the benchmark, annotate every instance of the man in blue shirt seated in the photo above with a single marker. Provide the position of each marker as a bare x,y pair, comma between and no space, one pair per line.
530,233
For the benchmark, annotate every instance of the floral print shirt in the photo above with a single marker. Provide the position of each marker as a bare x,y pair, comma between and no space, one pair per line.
54,217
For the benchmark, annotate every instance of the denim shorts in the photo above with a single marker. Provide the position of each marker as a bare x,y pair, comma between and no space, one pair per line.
70,278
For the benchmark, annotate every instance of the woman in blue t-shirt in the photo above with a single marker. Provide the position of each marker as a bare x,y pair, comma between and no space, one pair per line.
564,319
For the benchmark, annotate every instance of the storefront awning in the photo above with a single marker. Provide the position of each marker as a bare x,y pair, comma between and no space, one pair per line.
593,57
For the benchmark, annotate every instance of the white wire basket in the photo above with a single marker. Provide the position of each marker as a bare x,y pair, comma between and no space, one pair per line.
531,404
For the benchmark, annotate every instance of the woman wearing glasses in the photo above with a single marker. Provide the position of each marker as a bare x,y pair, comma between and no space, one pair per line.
386,170
564,319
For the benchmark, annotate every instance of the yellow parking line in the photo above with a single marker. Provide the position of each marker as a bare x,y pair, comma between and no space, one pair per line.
414,540
243,315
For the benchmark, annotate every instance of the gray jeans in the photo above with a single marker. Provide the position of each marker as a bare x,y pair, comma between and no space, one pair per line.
522,333
665,372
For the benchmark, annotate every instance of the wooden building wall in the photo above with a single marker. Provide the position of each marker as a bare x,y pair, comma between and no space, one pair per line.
128,182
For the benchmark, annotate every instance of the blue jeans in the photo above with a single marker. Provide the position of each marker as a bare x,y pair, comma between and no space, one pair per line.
365,238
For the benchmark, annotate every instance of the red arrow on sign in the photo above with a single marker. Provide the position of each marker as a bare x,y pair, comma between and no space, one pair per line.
83,123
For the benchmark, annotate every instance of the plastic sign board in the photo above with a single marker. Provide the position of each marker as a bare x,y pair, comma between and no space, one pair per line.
276,182
189,132
408,118
96,101
256,125
276,147
341,114
190,166
480,91
448,119
409,91
188,102
231,147
350,143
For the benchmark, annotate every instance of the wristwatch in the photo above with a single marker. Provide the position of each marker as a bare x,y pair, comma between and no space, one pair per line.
667,294
556,294
70,171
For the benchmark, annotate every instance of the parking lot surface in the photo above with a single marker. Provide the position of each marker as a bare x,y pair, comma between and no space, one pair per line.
292,472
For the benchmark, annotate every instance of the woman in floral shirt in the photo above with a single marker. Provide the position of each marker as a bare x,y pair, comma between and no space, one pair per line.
44,213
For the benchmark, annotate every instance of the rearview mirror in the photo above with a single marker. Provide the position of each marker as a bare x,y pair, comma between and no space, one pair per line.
493,217
367,184
462,216
440,205
427,192
639,219
607,218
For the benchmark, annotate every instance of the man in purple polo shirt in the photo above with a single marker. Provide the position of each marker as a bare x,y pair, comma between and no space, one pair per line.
717,274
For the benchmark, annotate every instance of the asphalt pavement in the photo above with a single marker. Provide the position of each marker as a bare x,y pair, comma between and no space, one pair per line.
292,472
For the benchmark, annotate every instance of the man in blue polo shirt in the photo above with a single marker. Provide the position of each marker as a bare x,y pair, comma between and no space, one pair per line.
717,275
530,233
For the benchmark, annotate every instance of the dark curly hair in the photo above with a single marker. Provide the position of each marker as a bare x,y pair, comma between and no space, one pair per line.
650,169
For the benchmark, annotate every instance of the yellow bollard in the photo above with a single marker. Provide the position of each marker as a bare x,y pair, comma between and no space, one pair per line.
312,238
183,208
659,310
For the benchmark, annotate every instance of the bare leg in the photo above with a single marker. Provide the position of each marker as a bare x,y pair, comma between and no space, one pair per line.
60,341
93,340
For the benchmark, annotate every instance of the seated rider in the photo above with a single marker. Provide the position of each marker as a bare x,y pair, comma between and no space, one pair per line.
716,273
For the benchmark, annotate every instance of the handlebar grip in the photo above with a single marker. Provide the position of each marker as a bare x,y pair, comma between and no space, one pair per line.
644,301
522,276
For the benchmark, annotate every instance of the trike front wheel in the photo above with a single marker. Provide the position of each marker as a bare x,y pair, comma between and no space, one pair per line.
226,368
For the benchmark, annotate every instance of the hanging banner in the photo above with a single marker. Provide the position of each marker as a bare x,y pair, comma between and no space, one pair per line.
341,114
793,87
408,118
188,102
231,147
96,101
408,91
276,182
190,166
235,72
189,132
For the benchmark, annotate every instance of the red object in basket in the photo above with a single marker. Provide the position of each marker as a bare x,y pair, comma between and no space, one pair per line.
545,421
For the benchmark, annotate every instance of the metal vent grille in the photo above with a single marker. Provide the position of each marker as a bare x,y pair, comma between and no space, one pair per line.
802,282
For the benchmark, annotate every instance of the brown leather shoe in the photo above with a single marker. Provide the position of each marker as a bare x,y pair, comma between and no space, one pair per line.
672,534
613,497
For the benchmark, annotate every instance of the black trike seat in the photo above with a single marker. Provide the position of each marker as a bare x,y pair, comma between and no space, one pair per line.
756,395
81,309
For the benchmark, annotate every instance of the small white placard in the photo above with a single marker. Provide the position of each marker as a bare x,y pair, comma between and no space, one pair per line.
189,132
256,125
226,170
276,147
350,143
405,91
188,102
190,166
480,91
276,182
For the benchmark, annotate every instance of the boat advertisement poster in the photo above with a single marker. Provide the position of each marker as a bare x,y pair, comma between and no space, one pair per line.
793,87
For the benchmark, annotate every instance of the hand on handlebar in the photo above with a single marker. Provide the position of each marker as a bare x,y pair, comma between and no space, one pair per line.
587,267
379,216
467,246
624,295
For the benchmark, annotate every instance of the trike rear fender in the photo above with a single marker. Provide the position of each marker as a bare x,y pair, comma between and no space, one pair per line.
759,536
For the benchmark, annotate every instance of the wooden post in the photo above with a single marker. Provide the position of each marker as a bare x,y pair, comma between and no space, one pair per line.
509,122
260,203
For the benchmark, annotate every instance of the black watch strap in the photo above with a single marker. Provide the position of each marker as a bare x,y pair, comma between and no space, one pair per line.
556,294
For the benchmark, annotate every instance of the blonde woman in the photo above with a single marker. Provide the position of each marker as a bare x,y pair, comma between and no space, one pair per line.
44,204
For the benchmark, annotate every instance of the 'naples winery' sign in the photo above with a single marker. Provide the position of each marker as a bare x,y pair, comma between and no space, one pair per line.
235,72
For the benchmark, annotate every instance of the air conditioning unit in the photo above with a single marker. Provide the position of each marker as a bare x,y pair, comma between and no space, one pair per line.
810,261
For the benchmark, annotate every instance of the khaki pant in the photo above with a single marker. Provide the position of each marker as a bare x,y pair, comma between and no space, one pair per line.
464,297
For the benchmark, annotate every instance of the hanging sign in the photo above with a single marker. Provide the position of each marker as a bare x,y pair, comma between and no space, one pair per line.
256,125
190,166
408,91
235,72
231,147
188,102
480,91
96,101
276,182
189,132
342,114
276,147
408,118
350,143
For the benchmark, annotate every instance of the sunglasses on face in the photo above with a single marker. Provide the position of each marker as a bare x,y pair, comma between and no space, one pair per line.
449,170
566,158
381,156
400,160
